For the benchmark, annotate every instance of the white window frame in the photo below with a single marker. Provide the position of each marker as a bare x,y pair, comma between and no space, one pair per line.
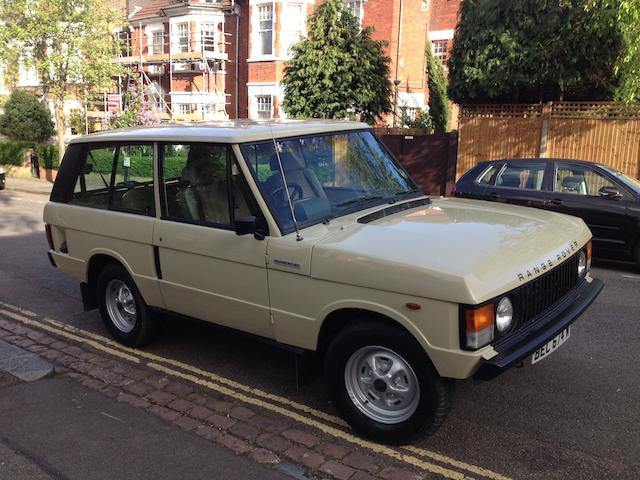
260,106
259,30
156,48
295,27
184,106
209,36
443,55
356,7
182,47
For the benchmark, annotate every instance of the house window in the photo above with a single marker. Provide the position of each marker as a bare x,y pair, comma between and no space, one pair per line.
183,108
264,106
209,37
356,7
157,42
425,5
183,37
265,28
441,49
294,27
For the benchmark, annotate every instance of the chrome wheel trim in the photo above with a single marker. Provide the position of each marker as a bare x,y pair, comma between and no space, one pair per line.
121,305
382,384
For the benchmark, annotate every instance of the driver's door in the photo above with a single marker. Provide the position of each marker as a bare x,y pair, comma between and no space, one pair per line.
576,188
206,271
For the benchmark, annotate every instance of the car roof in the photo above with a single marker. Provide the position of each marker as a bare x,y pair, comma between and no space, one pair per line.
232,131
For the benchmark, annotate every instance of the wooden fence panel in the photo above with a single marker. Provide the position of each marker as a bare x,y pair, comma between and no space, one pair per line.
604,132
492,138
615,143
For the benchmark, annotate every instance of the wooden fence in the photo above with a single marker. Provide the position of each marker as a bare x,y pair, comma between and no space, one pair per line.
604,132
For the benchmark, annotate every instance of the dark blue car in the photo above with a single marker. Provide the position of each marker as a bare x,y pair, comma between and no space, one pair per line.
606,199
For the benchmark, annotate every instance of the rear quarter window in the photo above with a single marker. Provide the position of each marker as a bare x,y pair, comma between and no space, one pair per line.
107,176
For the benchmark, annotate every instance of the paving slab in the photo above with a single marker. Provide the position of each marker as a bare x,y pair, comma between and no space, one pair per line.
22,364
70,432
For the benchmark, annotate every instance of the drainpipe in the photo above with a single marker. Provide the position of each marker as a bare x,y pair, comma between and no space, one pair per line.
237,85
397,79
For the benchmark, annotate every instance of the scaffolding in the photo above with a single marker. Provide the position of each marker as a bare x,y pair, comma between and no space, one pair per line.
181,69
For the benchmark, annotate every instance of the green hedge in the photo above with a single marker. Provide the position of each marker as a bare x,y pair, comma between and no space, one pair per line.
12,153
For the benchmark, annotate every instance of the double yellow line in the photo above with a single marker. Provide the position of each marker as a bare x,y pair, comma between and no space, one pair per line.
304,414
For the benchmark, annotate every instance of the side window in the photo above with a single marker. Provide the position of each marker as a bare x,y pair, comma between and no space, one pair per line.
93,183
488,175
522,175
579,180
133,180
195,178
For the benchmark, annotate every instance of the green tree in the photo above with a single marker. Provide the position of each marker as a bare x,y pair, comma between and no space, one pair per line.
538,50
26,117
439,108
628,64
338,71
70,43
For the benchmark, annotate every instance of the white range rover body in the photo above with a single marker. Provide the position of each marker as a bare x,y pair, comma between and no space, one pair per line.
310,233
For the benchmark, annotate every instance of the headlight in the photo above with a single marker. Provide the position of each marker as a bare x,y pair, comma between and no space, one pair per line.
504,315
1,170
582,264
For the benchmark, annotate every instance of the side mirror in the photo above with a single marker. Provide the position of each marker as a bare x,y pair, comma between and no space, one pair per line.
88,168
610,192
245,225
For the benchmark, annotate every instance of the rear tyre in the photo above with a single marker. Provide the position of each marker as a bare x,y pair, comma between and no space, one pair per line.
384,385
122,308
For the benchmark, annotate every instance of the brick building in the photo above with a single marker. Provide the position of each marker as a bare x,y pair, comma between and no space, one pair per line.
443,18
224,59
216,59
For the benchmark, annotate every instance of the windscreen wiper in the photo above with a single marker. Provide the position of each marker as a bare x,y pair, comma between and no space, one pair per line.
355,201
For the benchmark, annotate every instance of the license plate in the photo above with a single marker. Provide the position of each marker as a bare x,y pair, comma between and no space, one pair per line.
545,350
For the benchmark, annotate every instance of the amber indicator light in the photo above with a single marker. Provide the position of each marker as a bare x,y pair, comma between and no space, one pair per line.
480,318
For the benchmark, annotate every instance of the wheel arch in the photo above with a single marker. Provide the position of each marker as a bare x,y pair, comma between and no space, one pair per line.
97,261
341,317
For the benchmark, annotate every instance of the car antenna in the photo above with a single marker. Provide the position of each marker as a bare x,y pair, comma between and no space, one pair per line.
286,187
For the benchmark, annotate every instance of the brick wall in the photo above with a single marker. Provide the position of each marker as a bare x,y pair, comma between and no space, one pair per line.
444,14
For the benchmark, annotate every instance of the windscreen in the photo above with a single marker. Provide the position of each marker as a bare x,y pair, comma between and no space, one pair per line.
630,182
326,175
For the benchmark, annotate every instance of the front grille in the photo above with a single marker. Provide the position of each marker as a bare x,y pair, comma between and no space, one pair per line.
538,295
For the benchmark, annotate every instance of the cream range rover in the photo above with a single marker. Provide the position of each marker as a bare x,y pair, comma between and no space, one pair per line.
310,233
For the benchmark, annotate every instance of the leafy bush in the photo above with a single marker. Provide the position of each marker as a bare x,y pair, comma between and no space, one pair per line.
26,117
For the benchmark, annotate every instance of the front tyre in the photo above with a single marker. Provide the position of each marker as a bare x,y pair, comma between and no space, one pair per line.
122,308
384,385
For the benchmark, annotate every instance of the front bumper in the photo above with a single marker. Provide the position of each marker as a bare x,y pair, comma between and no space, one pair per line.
513,349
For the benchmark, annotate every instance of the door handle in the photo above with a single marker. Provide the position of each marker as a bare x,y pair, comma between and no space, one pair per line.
555,201
492,196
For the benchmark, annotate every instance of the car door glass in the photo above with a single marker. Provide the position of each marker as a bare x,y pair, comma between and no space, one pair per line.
580,180
522,175
133,181
488,175
93,182
195,179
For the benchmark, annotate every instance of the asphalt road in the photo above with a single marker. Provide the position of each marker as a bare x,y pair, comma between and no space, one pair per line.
574,415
